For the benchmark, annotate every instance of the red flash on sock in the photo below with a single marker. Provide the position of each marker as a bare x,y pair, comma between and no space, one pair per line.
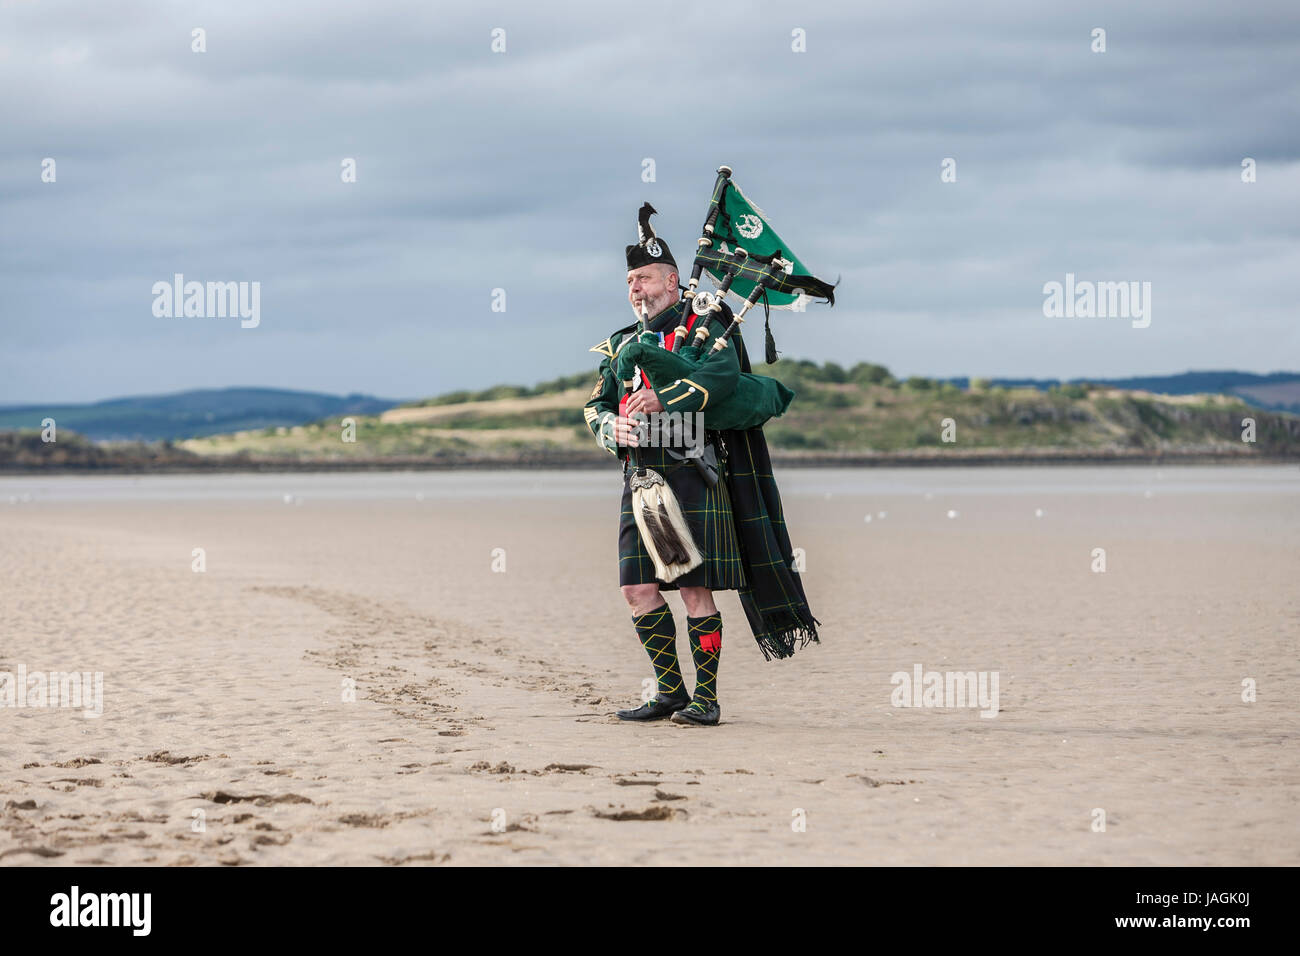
711,642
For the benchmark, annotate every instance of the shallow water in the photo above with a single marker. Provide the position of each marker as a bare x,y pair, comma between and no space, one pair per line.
794,482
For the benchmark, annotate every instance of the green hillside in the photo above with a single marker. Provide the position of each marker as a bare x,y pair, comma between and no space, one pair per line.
837,412
866,408
858,415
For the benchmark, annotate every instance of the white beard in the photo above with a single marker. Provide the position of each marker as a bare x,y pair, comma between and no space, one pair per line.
651,308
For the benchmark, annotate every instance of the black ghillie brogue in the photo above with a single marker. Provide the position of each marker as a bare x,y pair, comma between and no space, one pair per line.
704,715
657,708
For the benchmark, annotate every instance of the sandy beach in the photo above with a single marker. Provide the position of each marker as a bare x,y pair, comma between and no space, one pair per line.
485,680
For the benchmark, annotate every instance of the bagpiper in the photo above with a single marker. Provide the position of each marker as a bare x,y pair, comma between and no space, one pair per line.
701,511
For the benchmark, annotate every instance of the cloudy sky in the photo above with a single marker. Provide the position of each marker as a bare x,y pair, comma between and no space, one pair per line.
522,170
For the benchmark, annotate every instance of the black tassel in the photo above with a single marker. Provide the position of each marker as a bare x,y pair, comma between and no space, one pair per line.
654,527
671,548
674,548
769,343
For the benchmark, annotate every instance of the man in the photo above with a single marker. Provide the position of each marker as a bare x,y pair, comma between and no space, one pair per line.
652,281
728,499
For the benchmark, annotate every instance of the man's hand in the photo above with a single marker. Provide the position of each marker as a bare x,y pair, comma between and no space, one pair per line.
644,400
625,432
605,434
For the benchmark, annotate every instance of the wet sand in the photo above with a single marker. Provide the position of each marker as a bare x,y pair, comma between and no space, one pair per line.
482,729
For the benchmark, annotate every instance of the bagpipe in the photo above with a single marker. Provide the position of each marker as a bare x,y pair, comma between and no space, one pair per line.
766,270
756,398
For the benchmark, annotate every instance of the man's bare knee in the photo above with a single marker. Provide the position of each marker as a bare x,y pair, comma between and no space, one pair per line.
699,602
642,598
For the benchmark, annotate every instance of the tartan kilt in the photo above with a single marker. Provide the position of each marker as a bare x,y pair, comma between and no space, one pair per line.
708,515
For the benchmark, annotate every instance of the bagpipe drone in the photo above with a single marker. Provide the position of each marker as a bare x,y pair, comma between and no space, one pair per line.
762,270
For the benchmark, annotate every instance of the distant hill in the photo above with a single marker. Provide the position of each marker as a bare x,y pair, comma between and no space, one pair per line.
860,415
1277,391
192,414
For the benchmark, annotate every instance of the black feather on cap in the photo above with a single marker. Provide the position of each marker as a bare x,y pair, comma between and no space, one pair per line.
649,248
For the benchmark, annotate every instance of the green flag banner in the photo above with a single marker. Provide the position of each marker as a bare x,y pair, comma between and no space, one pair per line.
741,223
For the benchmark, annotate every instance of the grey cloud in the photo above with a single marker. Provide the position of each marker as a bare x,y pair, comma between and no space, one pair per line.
522,171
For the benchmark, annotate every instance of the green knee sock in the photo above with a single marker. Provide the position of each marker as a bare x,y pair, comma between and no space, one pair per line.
706,647
658,634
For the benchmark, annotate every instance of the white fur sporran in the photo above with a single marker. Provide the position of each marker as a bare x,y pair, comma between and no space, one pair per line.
664,532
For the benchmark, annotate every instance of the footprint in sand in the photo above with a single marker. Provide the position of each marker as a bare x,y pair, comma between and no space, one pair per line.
649,813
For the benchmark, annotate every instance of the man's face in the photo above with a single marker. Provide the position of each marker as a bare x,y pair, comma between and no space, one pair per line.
655,284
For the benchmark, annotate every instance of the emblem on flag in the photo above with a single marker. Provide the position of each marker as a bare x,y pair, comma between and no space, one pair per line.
735,221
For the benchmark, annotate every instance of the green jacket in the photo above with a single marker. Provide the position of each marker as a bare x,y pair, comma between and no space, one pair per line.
687,395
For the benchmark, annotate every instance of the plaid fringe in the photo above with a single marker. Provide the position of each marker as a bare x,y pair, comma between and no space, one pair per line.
773,597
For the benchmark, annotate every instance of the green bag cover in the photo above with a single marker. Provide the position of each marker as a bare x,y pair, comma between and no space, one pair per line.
754,400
